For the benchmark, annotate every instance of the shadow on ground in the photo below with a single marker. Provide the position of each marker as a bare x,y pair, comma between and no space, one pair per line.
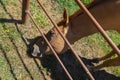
56,72
8,62
11,20
15,22
73,67
50,62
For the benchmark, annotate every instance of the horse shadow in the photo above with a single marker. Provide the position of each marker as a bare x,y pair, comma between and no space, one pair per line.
50,63
73,67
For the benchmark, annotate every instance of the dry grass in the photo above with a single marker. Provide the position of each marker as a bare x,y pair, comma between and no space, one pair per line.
15,63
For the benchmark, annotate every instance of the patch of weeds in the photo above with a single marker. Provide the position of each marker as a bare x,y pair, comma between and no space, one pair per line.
105,46
99,40
4,68
2,13
9,32
117,71
10,11
114,70
115,36
38,14
71,5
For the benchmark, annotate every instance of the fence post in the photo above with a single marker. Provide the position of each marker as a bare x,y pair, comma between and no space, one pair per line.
25,7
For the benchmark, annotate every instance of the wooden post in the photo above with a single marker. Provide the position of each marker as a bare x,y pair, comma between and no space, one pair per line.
25,7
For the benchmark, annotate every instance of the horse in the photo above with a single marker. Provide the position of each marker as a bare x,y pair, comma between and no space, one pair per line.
79,25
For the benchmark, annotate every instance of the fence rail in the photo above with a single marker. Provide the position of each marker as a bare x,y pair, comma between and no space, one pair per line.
99,27
49,45
25,6
26,13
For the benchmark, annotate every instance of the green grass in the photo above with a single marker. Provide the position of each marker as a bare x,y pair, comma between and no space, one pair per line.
13,49
70,5
38,14
14,63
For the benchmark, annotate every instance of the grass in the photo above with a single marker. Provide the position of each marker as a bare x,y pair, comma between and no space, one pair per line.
38,14
70,5
14,63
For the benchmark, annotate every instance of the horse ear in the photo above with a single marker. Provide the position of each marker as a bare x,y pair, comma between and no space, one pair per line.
66,16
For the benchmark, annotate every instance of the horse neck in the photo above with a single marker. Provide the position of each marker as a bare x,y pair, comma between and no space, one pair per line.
89,6
82,26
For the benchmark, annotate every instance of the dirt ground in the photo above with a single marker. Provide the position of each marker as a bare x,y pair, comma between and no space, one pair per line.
15,64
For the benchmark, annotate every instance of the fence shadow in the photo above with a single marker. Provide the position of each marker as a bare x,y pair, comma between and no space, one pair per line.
8,62
16,22
11,20
27,45
18,53
20,56
3,20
